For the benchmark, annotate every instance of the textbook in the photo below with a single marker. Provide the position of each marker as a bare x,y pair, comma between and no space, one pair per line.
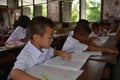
53,73
99,53
85,55
72,64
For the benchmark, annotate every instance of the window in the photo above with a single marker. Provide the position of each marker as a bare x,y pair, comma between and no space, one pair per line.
19,2
3,2
70,10
28,11
27,2
93,10
75,10
40,1
41,7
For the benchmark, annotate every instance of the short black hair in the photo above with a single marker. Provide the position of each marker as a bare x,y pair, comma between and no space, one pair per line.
83,21
102,24
82,29
38,26
95,25
23,21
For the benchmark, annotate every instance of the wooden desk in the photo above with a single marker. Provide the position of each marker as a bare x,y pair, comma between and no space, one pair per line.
9,54
93,70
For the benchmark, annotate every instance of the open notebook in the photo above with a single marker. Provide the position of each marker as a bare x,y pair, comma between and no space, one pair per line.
58,69
54,73
83,56
65,64
76,63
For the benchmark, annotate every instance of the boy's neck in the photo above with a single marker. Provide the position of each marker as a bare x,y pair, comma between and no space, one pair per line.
76,37
36,45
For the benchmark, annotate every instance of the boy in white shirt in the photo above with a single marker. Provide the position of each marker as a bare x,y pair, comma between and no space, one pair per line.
94,33
78,42
95,30
37,50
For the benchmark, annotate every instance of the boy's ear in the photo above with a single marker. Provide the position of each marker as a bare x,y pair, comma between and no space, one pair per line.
35,37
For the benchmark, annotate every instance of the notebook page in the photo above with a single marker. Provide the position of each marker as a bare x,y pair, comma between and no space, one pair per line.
65,64
80,56
93,53
54,73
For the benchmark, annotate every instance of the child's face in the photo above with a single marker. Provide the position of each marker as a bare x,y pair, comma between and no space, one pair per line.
45,41
96,30
83,38
102,28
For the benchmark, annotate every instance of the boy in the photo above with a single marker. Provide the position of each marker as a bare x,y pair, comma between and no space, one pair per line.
37,50
102,28
76,43
95,30
94,33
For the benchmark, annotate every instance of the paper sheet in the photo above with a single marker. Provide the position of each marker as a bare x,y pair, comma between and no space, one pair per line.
93,53
54,73
65,64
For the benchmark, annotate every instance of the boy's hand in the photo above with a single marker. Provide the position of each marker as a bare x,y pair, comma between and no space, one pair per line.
63,54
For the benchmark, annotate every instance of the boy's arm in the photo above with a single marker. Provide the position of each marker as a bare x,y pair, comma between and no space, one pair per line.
103,49
17,74
63,54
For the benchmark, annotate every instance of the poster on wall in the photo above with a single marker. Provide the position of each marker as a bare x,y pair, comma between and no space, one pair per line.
111,8
53,10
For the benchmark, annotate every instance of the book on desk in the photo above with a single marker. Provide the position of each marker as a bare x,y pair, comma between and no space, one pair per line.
58,69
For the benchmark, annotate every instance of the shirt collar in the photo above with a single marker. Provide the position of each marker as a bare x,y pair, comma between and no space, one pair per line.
72,39
37,52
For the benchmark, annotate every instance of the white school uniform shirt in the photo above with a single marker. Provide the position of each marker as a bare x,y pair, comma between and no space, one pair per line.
73,45
18,34
30,56
92,34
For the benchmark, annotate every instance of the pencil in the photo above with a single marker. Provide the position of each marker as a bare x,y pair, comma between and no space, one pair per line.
45,76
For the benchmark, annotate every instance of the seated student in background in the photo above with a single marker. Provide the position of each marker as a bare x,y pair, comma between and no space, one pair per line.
109,30
20,32
77,42
102,28
37,50
3,27
94,30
